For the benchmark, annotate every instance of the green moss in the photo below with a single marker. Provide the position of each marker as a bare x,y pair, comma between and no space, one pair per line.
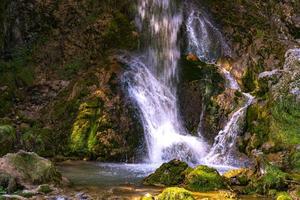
45,189
273,178
39,140
204,178
239,176
175,193
7,139
283,196
286,121
119,34
72,68
83,137
258,124
168,174
295,161
249,80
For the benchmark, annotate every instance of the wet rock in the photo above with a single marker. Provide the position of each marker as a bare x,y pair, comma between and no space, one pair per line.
175,193
82,196
239,177
168,174
192,58
204,178
29,169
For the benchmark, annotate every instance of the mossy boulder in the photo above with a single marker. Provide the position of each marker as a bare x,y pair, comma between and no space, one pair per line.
283,196
29,168
7,139
239,177
204,178
168,174
175,193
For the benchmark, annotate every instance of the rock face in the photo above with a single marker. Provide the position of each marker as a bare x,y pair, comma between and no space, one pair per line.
56,63
168,174
204,178
200,82
28,169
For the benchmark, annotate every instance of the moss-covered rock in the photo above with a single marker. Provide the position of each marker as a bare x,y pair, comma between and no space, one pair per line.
29,168
239,176
204,178
283,196
175,193
168,174
7,139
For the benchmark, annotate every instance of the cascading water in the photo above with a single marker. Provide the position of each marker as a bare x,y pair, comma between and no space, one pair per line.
152,81
207,42
203,38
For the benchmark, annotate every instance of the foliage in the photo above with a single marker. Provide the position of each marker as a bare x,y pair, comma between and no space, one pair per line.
7,138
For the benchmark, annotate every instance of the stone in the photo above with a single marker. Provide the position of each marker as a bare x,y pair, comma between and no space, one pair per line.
192,58
29,169
168,174
239,177
204,178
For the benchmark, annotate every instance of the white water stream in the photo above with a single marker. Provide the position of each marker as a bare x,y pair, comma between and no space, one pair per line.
152,81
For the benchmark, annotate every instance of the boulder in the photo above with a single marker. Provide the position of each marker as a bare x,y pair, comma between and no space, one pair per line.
175,193
283,196
239,177
204,178
168,174
29,169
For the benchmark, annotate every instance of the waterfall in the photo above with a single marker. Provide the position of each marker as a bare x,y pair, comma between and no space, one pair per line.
152,80
207,42
203,38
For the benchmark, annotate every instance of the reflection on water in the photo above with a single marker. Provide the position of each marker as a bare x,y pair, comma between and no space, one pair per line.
117,181
83,173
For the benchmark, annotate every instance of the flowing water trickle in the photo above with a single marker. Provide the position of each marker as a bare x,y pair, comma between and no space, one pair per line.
152,82
203,38
207,42
223,150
